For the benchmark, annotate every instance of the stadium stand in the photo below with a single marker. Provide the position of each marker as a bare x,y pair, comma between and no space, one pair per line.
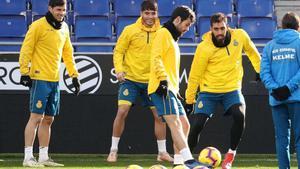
205,8
255,8
13,7
38,8
104,20
92,7
121,22
127,9
92,24
166,7
93,29
13,22
257,18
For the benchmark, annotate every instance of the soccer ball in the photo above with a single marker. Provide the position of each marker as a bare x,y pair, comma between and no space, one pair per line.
181,167
210,156
134,166
157,167
185,167
200,167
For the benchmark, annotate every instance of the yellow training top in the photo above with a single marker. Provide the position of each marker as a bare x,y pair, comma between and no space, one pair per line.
43,49
132,51
165,62
220,70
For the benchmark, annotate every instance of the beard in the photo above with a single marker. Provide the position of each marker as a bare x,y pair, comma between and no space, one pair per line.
221,42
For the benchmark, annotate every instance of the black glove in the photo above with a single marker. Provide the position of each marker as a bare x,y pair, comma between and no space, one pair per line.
257,77
181,99
162,89
25,80
189,108
281,93
76,84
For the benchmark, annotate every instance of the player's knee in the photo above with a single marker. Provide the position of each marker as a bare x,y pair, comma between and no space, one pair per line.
36,119
122,113
237,112
174,124
48,120
238,117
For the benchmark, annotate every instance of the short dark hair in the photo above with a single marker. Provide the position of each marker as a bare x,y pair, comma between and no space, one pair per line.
217,18
149,5
290,21
54,3
184,12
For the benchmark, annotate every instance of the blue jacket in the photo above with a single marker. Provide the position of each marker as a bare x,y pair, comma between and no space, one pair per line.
280,64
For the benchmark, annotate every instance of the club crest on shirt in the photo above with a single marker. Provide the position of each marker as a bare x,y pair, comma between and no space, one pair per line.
200,105
126,92
39,104
235,42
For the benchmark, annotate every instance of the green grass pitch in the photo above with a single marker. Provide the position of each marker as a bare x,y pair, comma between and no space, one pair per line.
84,161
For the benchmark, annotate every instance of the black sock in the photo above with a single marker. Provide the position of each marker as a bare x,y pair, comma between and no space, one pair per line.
197,122
238,126
190,161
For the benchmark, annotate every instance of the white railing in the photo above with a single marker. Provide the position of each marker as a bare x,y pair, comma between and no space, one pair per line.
97,44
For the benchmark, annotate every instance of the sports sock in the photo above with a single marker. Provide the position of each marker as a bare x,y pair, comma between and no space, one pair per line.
186,154
197,122
28,153
161,144
43,154
178,159
114,143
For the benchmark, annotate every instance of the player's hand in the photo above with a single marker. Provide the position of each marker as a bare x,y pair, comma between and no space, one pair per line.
180,98
281,93
76,84
26,81
257,77
189,108
121,76
162,89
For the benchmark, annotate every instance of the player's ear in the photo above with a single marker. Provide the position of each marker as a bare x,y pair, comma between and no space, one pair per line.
49,8
177,20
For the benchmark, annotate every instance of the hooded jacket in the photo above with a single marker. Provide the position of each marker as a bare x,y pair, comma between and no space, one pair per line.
132,51
43,49
219,69
281,64
165,61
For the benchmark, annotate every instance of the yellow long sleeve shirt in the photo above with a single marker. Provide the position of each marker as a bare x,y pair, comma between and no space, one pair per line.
43,49
220,70
132,51
165,62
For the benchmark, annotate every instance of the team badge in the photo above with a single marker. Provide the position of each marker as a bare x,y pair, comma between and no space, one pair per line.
235,42
126,92
39,104
200,105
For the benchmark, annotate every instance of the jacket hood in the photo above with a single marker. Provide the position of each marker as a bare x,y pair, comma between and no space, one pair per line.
207,37
154,28
285,36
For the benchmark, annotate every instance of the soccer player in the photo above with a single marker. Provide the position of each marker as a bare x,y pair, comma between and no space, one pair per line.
47,42
218,71
132,65
164,81
280,72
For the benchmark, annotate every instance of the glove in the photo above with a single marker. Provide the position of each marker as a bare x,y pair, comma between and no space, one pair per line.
180,98
26,81
76,84
257,77
162,89
189,108
281,93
